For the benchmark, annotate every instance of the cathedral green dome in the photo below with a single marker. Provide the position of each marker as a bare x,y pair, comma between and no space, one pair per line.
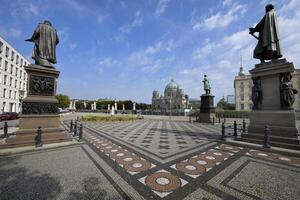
172,85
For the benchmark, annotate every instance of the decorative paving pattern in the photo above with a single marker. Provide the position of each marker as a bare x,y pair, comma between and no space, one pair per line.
178,160
132,163
201,163
274,157
162,139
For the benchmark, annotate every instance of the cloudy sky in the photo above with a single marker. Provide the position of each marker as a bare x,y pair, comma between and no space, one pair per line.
125,49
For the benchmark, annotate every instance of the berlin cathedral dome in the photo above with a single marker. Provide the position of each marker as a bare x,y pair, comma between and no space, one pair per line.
174,98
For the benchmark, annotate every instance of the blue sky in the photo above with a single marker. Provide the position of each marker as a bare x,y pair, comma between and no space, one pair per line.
126,49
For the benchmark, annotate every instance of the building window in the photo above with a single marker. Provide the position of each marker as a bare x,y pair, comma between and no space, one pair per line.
7,52
4,93
6,66
11,69
10,94
16,73
1,47
12,55
242,97
10,82
21,62
242,106
15,94
16,83
17,59
0,63
5,79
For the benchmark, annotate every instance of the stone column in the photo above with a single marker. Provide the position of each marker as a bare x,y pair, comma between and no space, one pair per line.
134,106
116,106
123,107
108,107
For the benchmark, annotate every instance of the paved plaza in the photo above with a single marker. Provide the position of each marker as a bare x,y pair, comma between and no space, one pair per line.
150,159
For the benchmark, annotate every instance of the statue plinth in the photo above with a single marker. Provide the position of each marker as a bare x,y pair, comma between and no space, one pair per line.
270,106
207,109
39,108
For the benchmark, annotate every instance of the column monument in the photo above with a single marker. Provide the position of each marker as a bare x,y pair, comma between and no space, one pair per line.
272,92
40,107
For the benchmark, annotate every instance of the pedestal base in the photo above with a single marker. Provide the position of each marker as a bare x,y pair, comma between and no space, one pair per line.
207,109
207,117
39,109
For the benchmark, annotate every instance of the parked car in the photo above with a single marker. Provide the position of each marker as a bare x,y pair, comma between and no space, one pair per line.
9,116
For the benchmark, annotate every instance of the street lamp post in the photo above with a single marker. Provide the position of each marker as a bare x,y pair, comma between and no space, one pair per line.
21,96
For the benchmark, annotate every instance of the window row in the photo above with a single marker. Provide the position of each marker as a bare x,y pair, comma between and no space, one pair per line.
9,81
12,55
9,94
13,70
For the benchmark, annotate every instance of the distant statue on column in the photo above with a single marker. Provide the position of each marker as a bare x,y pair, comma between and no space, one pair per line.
206,85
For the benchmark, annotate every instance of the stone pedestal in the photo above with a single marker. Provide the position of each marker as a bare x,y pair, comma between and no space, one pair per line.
39,108
271,110
207,109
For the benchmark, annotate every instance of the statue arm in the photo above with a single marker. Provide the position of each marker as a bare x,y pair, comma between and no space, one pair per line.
259,26
34,36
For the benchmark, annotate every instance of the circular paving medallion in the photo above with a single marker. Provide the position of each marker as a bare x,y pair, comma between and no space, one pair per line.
137,165
190,168
203,161
284,159
218,155
158,182
227,147
127,158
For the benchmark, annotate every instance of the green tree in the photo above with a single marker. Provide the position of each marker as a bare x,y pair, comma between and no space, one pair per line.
79,105
63,100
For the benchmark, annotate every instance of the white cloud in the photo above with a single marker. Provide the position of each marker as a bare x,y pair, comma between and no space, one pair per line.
23,9
137,21
161,7
10,32
220,19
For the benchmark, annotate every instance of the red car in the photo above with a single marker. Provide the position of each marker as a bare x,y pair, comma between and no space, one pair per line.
9,116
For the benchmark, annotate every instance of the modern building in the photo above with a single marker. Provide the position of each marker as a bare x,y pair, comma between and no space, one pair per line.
13,78
174,98
243,90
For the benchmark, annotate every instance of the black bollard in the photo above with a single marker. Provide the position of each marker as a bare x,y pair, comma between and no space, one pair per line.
71,126
235,129
223,131
5,129
80,132
219,120
267,137
244,126
38,137
75,128
213,121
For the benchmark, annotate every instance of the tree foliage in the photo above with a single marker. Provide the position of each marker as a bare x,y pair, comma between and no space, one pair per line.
63,100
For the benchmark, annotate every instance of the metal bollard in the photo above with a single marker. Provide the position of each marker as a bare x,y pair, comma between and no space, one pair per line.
244,126
71,126
213,120
219,120
75,128
267,137
38,137
80,132
223,131
235,129
5,129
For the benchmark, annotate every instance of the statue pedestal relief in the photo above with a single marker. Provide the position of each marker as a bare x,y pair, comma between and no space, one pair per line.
273,97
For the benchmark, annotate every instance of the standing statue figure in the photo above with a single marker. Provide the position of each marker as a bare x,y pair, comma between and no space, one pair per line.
256,96
287,91
45,39
206,85
268,47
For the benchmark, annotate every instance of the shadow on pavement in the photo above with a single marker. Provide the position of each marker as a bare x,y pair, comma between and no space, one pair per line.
18,183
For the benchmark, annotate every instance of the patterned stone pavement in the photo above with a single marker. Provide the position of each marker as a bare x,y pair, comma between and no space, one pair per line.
180,160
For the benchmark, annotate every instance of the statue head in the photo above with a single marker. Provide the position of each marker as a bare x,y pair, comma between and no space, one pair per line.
47,22
269,7
205,76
